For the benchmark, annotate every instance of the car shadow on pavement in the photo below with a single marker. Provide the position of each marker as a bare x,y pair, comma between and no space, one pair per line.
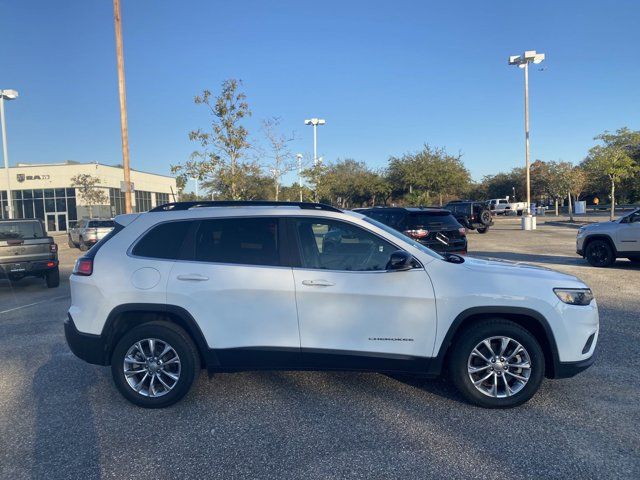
66,442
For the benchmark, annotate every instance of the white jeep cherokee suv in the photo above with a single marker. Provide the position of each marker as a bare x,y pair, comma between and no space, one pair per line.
601,243
232,286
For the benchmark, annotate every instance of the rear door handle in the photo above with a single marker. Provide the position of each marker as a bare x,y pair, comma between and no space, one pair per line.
193,277
318,283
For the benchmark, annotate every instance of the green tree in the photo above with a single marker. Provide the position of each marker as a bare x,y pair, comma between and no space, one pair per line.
89,191
430,171
222,160
612,160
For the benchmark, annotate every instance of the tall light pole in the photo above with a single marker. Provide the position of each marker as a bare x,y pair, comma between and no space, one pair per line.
523,61
124,128
8,95
299,157
315,122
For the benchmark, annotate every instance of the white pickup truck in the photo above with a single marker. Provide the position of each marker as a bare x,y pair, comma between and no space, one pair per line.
502,206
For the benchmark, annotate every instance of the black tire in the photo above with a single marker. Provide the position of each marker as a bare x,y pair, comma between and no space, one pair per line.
635,259
482,230
599,253
70,242
474,335
485,217
82,246
52,278
182,344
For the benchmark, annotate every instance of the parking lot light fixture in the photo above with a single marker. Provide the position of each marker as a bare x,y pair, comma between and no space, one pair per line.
6,95
523,61
315,122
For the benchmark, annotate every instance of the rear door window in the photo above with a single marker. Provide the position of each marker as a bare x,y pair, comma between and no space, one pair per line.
242,241
20,230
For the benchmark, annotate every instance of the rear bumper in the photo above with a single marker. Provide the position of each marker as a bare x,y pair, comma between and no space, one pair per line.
88,347
28,268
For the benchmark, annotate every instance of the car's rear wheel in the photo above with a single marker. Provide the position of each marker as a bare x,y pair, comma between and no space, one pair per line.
482,229
83,246
52,278
70,242
497,364
154,365
599,253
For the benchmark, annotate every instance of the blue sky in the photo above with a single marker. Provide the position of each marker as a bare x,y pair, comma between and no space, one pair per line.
387,76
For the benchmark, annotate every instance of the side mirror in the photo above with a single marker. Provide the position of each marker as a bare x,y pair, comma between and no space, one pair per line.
400,261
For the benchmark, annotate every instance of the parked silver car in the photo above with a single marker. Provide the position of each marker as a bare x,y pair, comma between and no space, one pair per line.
88,232
601,243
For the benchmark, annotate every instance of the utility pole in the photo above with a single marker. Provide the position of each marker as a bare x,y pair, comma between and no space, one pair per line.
9,95
124,129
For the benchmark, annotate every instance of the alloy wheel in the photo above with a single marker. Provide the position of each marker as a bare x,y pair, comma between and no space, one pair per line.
499,367
152,367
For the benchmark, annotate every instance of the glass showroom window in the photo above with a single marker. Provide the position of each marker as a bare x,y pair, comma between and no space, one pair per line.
143,201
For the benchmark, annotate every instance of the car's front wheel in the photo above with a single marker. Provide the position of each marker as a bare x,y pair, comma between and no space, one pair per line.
482,229
497,364
600,254
154,365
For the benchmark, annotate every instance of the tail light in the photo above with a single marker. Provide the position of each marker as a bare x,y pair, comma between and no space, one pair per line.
84,266
417,233
463,231
53,247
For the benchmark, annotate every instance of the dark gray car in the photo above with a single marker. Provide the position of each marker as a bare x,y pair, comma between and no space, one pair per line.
27,251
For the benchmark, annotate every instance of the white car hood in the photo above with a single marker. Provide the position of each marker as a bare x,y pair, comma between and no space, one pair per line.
506,267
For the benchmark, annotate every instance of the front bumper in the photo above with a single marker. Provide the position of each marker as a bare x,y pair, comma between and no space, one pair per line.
88,347
570,369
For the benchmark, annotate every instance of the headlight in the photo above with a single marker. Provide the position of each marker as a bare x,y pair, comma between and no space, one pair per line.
574,296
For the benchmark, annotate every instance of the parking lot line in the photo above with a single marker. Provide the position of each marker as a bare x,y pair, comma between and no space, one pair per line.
35,303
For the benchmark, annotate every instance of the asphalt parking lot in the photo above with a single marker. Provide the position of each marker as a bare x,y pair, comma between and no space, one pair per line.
63,418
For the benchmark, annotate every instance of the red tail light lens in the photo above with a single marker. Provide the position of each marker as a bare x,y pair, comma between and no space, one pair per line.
53,247
84,266
462,230
418,233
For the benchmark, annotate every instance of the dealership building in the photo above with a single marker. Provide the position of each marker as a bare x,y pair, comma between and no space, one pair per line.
46,191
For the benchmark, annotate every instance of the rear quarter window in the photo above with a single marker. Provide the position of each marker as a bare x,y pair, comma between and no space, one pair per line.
164,241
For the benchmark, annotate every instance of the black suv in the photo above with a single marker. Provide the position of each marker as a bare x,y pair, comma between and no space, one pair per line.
435,228
473,215
27,251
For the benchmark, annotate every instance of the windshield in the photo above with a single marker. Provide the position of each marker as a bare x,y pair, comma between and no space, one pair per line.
402,237
20,230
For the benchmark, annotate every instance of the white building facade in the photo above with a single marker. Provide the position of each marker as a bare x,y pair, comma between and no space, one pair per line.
46,191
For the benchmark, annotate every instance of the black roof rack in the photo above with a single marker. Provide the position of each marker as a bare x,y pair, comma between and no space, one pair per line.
177,206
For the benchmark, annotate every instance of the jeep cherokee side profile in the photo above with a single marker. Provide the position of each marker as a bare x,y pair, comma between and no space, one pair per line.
601,243
233,286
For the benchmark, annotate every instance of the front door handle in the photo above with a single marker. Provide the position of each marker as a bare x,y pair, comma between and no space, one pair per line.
318,283
193,277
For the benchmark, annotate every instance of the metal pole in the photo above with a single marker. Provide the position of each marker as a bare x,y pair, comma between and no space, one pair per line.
300,174
526,135
6,156
124,129
315,144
